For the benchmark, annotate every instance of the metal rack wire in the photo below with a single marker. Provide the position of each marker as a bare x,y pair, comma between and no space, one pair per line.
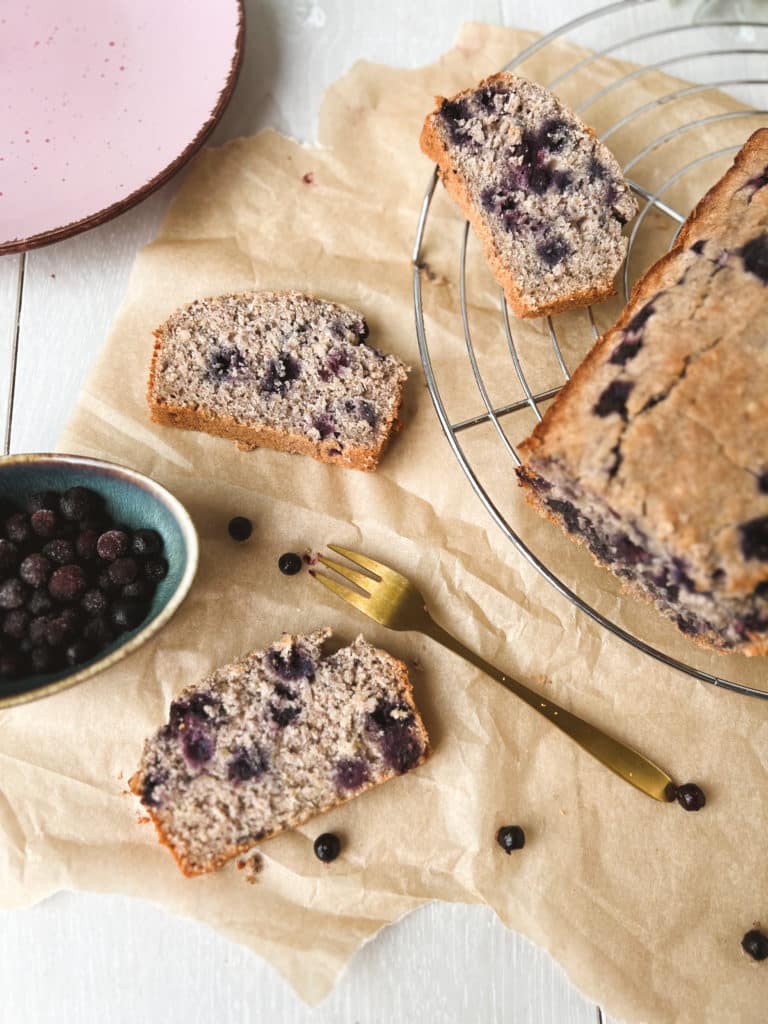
625,49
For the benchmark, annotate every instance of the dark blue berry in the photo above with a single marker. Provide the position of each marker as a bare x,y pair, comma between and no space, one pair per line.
325,426
141,590
67,584
280,372
198,746
240,528
640,318
12,594
44,523
455,115
61,551
78,652
292,664
553,251
18,528
698,247
150,785
554,136
567,512
392,723
123,570
626,350
510,837
351,774
146,542
336,361
15,623
225,364
42,659
155,569
95,602
11,665
35,570
596,171
85,543
327,847
42,499
127,613
755,944
755,256
289,563
754,538
614,399
283,716
112,544
9,556
762,482
39,602
79,503
690,797
246,765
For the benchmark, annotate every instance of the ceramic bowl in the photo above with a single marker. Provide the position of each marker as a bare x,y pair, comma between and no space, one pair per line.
130,498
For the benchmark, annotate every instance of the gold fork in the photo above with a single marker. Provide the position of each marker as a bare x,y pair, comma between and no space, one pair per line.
392,600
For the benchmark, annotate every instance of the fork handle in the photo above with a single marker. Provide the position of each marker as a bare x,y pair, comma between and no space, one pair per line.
621,759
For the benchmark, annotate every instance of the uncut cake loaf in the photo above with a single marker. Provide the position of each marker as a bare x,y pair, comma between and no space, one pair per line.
269,741
278,370
655,454
547,200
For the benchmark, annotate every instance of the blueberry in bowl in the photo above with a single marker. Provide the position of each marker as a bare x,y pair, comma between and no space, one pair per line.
95,558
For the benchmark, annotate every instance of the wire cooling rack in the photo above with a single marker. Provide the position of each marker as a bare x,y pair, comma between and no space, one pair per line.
705,53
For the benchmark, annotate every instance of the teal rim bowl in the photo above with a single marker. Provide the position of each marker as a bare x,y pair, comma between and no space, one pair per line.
130,498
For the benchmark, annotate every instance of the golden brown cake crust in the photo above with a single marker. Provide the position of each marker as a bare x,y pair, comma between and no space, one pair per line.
641,436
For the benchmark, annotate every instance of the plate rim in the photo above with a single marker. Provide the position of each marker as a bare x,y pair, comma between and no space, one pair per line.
107,213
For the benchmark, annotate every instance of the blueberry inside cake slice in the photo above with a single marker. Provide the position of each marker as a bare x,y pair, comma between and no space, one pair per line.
280,370
655,455
267,742
547,200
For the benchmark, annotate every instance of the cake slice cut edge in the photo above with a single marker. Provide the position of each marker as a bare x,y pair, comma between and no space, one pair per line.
280,370
270,741
652,455
546,199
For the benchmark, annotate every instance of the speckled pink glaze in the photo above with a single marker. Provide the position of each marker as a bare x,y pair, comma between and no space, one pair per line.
99,97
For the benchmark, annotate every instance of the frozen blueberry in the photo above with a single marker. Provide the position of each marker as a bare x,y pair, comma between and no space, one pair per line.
690,797
79,503
11,665
85,543
112,545
18,528
99,630
44,523
140,590
289,563
280,372
39,602
67,584
127,613
755,256
155,569
553,251
510,837
755,944
61,551
37,630
614,399
292,664
104,582
240,528
351,774
754,538
225,364
246,765
15,623
146,542
42,659
35,570
95,602
327,847
9,556
12,594
42,499
78,652
123,570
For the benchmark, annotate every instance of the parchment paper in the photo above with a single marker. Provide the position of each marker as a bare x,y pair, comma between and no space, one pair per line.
643,904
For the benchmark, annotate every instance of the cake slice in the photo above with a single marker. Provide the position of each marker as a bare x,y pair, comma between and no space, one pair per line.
546,199
269,741
280,370
655,453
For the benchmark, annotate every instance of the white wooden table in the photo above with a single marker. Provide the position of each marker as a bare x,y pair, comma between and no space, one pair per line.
81,957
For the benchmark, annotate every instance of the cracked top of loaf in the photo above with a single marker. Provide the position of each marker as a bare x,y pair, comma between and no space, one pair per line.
664,424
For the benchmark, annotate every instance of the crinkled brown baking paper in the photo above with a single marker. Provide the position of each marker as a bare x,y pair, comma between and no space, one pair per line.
643,904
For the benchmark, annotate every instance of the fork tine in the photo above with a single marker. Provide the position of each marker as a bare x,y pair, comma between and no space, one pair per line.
358,578
352,597
379,570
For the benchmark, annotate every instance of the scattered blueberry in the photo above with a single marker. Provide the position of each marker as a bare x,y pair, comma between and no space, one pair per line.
61,551
392,724
351,774
510,837
18,528
553,251
325,426
95,602
225,364
283,716
246,765
289,563
146,542
12,594
44,523
292,664
15,623
141,590
327,847
123,570
690,797
755,944
127,613
240,528
554,136
280,372
39,602
35,570
155,569
198,746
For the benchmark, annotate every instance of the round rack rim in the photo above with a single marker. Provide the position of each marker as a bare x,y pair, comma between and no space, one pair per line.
531,399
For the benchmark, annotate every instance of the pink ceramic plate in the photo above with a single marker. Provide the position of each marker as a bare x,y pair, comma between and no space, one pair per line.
101,101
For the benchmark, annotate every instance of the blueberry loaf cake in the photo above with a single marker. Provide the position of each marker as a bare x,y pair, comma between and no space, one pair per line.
655,454
267,742
279,370
546,199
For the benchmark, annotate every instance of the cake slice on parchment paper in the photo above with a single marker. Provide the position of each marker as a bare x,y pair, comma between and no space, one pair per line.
273,739
279,370
655,454
547,200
